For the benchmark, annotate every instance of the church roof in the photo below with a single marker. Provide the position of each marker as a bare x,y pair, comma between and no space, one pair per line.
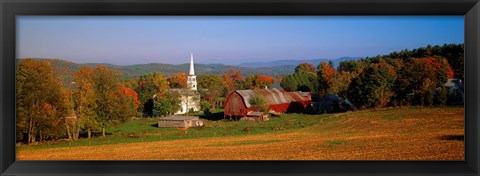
182,92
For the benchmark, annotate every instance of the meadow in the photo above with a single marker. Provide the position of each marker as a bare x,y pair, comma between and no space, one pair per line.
388,134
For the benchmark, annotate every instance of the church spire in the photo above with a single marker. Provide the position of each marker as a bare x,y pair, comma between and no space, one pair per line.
192,72
192,79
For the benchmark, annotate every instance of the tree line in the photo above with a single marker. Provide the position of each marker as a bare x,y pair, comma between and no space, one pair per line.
408,77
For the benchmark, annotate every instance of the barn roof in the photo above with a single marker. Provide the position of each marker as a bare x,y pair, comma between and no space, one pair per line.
273,96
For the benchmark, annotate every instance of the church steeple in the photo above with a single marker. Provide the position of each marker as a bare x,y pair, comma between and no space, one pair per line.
192,71
192,79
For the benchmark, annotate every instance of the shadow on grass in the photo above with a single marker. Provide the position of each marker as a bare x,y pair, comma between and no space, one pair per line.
94,134
452,137
212,116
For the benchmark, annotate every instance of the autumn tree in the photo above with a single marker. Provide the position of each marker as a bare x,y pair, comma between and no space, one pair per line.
131,83
178,80
255,81
211,88
132,94
305,68
265,81
421,76
340,83
233,80
325,74
127,103
40,101
85,101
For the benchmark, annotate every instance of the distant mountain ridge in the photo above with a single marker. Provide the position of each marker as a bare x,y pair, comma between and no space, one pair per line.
277,63
135,71
67,69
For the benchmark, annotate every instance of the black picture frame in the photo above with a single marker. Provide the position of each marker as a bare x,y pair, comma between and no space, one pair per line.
11,8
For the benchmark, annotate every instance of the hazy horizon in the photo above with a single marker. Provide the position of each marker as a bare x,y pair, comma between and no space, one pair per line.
226,39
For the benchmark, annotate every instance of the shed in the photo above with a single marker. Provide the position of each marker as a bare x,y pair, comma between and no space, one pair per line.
456,91
332,103
237,103
180,121
258,116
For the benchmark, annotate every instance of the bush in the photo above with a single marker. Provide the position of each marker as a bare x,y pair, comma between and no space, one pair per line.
205,105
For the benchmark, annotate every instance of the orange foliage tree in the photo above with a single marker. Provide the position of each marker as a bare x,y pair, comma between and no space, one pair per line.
131,93
233,80
325,74
178,80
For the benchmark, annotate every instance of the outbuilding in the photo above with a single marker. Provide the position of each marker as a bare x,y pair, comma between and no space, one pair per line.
180,121
332,103
456,91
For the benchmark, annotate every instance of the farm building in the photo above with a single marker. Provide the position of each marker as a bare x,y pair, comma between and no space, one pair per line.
238,104
332,103
180,121
255,116
455,90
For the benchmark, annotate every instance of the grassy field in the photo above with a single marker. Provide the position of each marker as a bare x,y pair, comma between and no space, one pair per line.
391,134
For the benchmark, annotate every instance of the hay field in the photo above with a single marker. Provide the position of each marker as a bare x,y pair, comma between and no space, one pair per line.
392,134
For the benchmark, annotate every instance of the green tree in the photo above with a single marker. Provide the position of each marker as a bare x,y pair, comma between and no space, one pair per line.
373,87
167,104
258,103
289,83
106,84
148,86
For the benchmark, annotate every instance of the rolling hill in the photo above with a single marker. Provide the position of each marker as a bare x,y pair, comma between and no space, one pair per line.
67,69
278,63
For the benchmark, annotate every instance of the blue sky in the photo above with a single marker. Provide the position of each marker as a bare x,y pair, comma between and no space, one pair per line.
123,40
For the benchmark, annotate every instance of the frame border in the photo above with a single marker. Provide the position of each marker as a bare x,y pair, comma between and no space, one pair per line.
10,8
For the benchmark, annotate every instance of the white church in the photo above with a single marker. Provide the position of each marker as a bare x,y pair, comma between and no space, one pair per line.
190,98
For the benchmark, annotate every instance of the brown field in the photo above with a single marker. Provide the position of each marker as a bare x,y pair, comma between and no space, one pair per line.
394,134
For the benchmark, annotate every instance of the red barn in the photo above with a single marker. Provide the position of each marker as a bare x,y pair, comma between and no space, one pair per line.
278,100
